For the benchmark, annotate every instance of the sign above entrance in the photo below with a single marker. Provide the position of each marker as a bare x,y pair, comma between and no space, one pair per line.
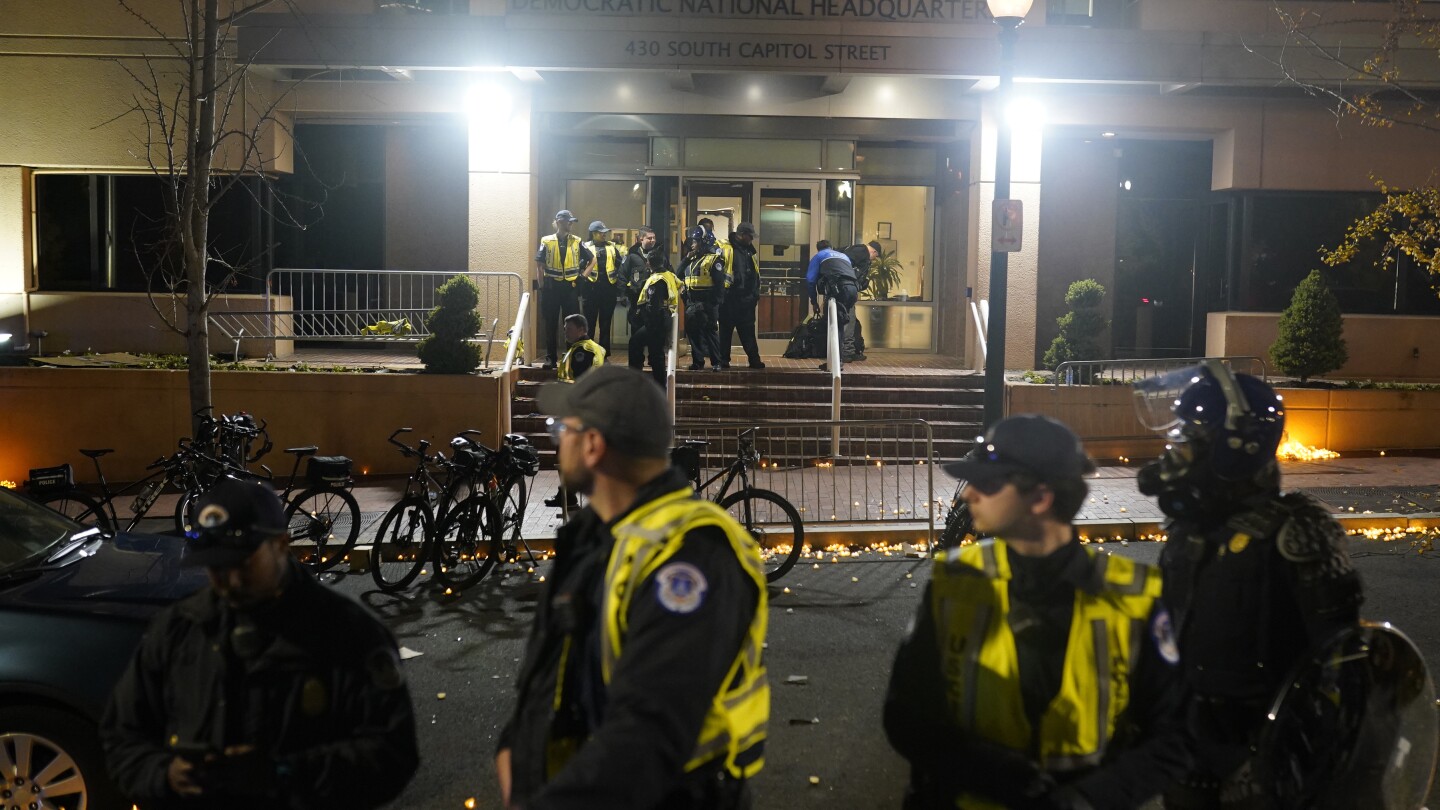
922,11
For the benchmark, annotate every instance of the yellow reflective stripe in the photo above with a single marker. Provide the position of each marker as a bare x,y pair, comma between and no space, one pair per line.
560,677
1100,637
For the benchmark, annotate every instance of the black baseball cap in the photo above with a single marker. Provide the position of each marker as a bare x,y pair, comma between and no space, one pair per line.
564,215
1029,443
597,227
745,227
231,521
623,404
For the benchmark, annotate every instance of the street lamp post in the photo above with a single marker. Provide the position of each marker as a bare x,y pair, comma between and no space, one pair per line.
1008,14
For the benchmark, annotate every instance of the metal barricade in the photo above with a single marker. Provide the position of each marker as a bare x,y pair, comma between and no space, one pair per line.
362,305
1127,372
883,474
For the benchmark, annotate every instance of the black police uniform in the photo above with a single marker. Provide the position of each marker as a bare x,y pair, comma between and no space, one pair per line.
638,733
1251,594
946,761
702,310
311,680
737,311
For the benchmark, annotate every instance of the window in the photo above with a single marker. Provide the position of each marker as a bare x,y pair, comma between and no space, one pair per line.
1282,236
110,232
620,204
901,219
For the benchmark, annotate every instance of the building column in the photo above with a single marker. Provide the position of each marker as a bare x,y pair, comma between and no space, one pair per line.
1024,264
13,219
502,188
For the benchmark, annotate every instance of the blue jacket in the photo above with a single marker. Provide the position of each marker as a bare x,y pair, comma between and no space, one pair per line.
812,273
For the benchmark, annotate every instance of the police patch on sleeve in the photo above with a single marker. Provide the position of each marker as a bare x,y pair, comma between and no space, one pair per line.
680,587
1163,631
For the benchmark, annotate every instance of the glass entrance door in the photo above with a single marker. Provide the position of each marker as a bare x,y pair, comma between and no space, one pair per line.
787,231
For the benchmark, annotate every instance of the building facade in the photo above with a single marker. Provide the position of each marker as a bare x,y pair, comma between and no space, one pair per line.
1157,148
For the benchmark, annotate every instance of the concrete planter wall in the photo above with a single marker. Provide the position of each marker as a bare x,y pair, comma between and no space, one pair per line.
1338,419
1382,347
48,413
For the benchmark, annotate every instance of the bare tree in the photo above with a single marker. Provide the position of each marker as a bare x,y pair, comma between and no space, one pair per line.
205,125
1374,61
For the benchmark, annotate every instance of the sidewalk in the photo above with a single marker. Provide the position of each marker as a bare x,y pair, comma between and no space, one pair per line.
1392,491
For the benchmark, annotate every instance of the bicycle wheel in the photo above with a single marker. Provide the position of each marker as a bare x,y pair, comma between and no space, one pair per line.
467,541
79,507
769,517
513,499
398,553
327,517
185,510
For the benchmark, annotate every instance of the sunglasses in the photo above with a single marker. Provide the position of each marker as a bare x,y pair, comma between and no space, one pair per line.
989,486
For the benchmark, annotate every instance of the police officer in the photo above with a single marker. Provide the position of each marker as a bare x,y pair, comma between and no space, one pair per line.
265,689
643,683
1256,578
582,353
601,285
703,269
652,317
1039,673
737,312
561,260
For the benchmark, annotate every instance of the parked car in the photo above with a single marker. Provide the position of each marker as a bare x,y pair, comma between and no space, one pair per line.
73,605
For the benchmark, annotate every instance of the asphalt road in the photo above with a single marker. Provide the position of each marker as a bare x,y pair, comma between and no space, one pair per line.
838,627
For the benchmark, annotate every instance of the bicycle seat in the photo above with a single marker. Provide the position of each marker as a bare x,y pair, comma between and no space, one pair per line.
96,453
308,450
695,443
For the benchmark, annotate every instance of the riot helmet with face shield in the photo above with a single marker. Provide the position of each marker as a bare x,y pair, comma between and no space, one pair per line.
1221,429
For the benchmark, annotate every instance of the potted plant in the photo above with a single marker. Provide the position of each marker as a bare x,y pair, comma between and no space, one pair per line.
884,275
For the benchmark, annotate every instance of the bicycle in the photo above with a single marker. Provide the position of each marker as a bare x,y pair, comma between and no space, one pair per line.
484,528
402,545
760,512
55,488
324,512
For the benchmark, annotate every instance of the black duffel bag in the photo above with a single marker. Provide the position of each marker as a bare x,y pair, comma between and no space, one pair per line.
331,470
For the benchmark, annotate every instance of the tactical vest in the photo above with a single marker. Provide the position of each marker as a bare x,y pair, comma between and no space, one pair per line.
614,258
736,724
971,608
698,275
563,373
568,271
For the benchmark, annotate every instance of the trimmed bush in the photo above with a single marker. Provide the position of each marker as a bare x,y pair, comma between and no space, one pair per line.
1080,328
1312,332
448,350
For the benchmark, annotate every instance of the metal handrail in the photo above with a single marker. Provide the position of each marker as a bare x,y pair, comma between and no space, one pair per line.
832,353
507,370
980,311
1122,372
671,355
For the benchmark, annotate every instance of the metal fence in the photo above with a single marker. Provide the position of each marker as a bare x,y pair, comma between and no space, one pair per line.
362,305
1127,372
884,472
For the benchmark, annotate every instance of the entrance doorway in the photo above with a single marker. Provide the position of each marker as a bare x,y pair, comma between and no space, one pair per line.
787,215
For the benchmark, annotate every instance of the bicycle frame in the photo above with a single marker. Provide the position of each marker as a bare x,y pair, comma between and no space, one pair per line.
739,468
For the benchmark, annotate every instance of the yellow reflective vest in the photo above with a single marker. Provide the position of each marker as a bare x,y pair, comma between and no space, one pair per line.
971,605
735,727
614,258
673,283
569,270
698,275
563,373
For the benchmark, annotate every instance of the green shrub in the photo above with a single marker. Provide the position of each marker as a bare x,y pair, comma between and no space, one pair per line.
1080,328
1312,332
452,324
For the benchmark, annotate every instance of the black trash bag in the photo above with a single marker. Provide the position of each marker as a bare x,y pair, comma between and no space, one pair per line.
808,340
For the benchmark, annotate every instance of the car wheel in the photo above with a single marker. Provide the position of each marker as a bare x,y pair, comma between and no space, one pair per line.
56,759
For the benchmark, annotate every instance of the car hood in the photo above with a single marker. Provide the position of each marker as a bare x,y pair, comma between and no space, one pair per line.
129,575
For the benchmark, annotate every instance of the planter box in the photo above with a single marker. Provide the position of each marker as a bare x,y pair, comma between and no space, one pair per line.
51,412
1337,419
